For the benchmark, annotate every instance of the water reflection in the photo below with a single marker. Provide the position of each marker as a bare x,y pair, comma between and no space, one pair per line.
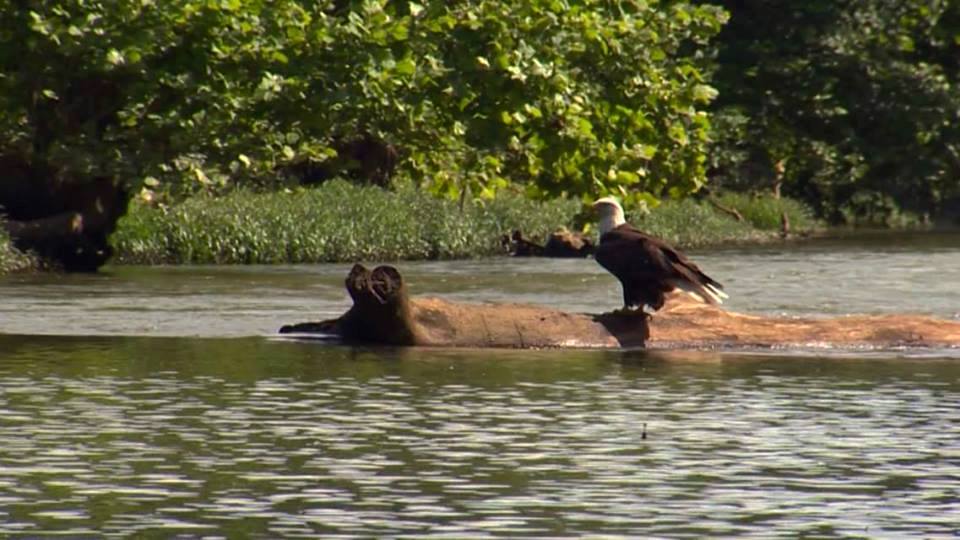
252,437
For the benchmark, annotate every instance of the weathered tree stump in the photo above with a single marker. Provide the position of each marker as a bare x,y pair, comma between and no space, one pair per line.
383,313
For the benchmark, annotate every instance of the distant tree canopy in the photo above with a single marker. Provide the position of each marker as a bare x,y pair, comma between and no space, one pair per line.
854,104
578,98
850,105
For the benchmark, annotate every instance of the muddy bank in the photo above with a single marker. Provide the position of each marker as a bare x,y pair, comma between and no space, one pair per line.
384,313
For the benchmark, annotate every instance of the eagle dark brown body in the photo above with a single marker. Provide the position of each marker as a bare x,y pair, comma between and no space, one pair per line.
647,267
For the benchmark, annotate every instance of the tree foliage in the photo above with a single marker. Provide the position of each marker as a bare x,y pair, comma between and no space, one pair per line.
580,97
857,101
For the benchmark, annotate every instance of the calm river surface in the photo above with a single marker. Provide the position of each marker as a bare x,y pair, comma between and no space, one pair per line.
158,403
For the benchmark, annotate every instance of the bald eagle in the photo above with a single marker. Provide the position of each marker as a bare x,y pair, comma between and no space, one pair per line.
647,267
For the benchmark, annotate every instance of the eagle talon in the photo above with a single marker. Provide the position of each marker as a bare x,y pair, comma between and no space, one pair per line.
631,311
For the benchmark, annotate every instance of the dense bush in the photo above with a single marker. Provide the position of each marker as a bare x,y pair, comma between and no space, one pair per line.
177,96
853,106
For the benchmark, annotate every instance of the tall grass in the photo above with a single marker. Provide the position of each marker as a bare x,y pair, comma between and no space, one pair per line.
764,211
339,222
697,223
335,222
690,223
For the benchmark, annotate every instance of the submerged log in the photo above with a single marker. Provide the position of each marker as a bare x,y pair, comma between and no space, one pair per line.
383,313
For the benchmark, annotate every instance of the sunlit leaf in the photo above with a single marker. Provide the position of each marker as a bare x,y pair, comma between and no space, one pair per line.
114,57
704,93
407,66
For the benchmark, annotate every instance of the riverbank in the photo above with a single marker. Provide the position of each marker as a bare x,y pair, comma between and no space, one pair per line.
341,222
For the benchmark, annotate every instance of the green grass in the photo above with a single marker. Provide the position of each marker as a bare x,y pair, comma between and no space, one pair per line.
335,222
764,212
690,223
693,223
341,222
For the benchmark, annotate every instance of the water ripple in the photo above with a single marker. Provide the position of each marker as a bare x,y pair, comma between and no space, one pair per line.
386,449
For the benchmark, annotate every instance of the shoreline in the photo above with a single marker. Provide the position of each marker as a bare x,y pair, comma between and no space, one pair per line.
13,261
342,222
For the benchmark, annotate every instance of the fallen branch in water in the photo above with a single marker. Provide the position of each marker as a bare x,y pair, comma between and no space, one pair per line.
383,313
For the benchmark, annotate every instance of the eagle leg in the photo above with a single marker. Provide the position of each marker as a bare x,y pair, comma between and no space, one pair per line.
633,311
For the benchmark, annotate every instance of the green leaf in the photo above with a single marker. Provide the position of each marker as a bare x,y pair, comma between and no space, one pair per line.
38,24
678,134
627,178
644,151
585,127
114,57
400,32
704,93
407,66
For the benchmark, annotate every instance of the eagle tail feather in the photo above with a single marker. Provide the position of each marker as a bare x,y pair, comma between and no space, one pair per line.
716,291
703,293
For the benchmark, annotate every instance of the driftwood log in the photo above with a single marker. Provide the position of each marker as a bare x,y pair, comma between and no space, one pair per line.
560,244
384,313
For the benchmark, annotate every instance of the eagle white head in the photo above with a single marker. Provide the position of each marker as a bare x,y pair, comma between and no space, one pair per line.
609,214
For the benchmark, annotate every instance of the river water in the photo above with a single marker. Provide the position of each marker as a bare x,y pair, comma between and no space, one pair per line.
158,402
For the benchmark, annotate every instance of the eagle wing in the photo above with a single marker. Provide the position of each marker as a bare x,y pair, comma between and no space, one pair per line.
634,256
